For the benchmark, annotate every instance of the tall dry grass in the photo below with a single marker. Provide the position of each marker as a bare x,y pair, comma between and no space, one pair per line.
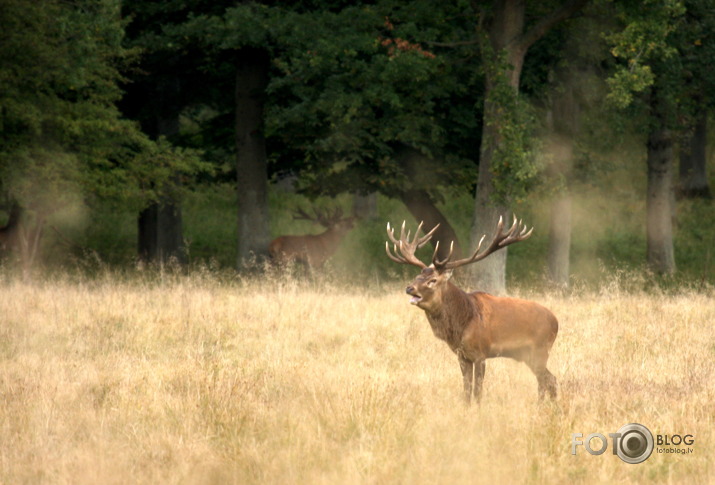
200,380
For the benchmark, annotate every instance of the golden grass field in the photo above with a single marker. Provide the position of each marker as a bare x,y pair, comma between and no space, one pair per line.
197,379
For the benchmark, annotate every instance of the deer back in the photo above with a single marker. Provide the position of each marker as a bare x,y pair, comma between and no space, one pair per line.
508,324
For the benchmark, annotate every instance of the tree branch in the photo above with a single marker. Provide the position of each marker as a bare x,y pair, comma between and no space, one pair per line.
453,44
536,32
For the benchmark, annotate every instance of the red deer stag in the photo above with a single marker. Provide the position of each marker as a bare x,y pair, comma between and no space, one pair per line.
478,326
312,249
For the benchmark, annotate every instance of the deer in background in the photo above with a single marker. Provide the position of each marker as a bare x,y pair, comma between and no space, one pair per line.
312,250
478,326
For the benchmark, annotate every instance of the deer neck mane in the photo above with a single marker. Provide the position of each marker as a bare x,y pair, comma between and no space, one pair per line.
449,319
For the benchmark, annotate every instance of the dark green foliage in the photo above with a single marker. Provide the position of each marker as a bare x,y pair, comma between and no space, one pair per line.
59,66
349,88
62,138
352,87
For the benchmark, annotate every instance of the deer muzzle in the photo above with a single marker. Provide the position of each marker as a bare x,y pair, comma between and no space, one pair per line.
416,298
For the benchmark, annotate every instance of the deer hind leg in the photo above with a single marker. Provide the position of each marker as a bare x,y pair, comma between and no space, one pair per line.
547,384
546,380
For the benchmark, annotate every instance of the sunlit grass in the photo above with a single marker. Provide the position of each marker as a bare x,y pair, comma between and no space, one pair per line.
199,379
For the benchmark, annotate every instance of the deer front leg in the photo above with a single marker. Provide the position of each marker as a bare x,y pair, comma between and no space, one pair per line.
467,367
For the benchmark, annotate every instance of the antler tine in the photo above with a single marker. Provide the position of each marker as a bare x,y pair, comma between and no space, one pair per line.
434,254
391,234
393,257
509,233
426,238
517,232
324,217
403,250
440,263
301,214
337,214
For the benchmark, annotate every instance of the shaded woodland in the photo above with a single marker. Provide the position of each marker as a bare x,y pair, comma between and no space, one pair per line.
133,106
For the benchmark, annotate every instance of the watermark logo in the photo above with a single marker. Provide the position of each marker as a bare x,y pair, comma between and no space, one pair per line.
632,443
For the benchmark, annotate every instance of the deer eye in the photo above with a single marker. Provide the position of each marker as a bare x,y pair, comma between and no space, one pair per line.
432,282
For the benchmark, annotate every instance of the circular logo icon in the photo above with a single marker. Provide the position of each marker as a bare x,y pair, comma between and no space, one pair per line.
635,444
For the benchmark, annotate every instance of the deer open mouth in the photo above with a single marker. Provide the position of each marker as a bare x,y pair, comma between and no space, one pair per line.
415,299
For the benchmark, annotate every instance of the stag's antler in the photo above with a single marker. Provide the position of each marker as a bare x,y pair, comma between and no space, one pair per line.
404,249
301,214
326,218
406,254
517,232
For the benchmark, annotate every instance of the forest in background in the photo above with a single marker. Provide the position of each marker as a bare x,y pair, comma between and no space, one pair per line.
191,132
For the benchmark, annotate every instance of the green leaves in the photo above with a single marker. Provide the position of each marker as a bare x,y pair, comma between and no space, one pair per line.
510,136
626,82
644,39
58,85
356,89
61,134
147,173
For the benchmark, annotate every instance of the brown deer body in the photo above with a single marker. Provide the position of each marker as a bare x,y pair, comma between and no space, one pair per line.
312,250
478,326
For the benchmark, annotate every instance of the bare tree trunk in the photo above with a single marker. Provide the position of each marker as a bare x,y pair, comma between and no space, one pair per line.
659,202
30,237
563,123
693,162
251,164
489,274
560,240
160,235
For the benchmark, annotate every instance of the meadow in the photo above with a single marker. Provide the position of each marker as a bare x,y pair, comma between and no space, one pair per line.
207,379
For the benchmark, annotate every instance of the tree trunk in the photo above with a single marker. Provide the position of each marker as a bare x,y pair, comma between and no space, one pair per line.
420,205
563,124
560,240
490,274
659,202
251,165
160,233
507,40
693,161
160,237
